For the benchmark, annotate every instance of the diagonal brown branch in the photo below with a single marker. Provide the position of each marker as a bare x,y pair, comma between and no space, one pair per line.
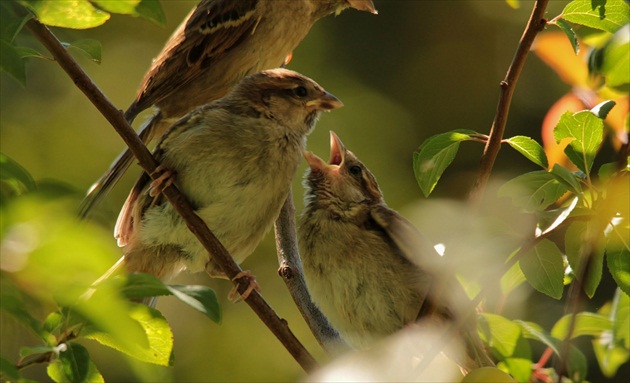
535,24
220,255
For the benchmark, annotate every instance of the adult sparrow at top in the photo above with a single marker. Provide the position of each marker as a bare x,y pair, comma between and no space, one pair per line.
220,42
234,159
369,270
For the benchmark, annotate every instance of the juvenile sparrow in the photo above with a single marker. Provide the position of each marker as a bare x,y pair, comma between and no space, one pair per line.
220,42
369,270
234,159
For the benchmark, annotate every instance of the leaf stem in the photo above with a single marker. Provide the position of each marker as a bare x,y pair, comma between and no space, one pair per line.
278,326
535,24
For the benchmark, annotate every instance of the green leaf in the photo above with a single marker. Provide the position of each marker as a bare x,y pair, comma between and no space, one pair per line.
201,298
530,149
11,62
26,351
520,364
142,285
512,278
435,155
586,133
533,191
605,15
515,4
568,179
500,333
160,337
74,365
10,170
151,10
576,361
8,370
566,28
125,7
90,47
14,303
618,256
74,14
586,323
543,268
611,347
615,60
26,52
585,247
10,24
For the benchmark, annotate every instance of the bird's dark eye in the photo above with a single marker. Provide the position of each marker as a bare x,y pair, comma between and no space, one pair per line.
300,91
355,171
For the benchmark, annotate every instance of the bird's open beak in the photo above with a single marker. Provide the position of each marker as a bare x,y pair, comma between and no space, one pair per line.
325,102
337,156
363,5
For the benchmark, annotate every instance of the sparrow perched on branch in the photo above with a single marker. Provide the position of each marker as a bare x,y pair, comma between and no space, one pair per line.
369,270
220,42
234,159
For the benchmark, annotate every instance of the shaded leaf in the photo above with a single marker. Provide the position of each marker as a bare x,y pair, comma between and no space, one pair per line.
602,109
10,24
435,155
586,323
584,247
10,170
543,268
607,15
90,47
8,370
530,149
520,364
11,62
566,28
201,298
615,60
533,191
512,278
568,179
151,10
25,52
618,256
142,285
586,133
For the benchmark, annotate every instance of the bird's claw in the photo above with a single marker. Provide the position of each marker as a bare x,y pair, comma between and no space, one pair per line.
166,177
234,296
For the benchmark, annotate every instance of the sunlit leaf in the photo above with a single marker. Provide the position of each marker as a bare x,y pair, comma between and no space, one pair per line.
74,365
533,191
615,60
520,364
435,155
160,337
584,247
586,323
513,3
512,278
500,333
586,133
90,47
543,268
618,256
530,149
75,14
607,15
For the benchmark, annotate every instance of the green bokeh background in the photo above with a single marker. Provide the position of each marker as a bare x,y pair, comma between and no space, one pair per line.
417,69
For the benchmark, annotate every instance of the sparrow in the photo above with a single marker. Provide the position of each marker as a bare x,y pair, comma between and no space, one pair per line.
219,42
234,159
368,269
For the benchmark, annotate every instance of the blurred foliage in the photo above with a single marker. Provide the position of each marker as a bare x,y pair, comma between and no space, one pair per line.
408,76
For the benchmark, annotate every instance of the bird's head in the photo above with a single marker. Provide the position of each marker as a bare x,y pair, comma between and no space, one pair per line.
326,7
290,99
344,181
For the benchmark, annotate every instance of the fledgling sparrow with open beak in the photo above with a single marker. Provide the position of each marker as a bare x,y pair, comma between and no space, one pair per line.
220,42
234,159
369,270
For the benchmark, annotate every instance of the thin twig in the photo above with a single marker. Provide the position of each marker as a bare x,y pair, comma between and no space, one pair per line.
292,274
196,225
535,24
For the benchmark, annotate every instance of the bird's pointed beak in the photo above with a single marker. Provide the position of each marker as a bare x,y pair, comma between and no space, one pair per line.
325,101
363,5
337,150
314,162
